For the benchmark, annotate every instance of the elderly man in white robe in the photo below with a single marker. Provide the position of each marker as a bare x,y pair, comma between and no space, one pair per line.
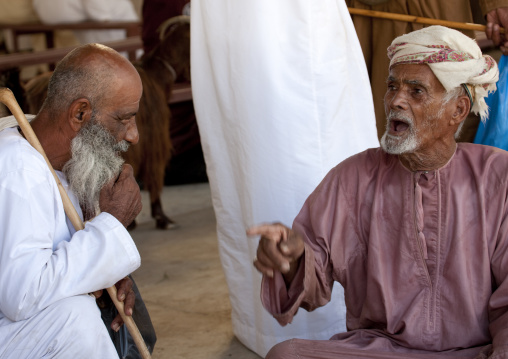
47,269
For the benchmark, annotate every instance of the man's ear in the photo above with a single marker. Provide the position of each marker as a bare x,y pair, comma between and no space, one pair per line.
80,112
462,109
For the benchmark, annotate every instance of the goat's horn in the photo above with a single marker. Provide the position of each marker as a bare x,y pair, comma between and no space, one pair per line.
171,21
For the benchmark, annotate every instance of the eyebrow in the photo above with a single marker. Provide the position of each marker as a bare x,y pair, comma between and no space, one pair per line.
409,82
128,114
415,82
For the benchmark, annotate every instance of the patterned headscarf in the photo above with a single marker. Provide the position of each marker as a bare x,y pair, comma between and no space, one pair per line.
453,57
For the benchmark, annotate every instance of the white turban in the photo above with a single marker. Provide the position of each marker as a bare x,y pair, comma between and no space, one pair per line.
453,57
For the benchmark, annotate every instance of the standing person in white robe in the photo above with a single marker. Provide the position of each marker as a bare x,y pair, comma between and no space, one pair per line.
65,11
281,94
46,268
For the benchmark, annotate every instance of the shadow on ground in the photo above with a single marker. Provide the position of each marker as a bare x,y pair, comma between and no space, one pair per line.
182,282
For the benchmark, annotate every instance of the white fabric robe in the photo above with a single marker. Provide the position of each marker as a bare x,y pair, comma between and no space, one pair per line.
44,262
282,95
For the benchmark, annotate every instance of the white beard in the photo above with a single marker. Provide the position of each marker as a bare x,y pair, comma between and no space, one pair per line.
94,162
396,145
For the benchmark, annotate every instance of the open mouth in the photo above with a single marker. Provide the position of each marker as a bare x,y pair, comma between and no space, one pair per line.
398,127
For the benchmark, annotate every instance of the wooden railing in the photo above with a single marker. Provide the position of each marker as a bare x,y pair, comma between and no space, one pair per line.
132,28
181,91
52,56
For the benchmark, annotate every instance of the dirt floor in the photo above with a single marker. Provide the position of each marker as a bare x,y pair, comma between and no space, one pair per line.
182,282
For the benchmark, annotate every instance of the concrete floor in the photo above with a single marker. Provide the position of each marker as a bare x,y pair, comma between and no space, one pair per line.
181,279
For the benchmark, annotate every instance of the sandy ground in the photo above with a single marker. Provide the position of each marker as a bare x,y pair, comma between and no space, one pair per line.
182,282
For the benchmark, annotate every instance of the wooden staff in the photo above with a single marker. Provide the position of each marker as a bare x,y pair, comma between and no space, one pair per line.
8,99
419,20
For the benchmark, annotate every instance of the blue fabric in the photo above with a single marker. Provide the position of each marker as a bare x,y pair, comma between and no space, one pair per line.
494,132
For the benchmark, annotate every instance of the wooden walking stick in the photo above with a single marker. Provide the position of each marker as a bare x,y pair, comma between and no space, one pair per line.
8,99
419,20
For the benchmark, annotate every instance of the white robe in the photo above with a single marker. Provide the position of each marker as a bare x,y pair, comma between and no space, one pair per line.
46,268
65,11
282,95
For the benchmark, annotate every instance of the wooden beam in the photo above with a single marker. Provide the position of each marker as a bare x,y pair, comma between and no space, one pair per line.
132,28
51,56
181,92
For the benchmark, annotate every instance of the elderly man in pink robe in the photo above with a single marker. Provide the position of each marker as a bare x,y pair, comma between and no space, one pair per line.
416,231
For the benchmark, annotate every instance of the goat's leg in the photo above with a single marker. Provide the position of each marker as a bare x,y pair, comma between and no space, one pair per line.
161,220
154,183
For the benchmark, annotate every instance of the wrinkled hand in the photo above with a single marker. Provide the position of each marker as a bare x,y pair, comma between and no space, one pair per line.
121,197
279,249
124,294
495,19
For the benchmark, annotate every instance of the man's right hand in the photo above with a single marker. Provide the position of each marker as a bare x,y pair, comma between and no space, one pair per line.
279,249
121,197
495,19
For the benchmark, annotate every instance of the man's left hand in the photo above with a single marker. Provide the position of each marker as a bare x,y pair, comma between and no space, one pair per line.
495,19
124,294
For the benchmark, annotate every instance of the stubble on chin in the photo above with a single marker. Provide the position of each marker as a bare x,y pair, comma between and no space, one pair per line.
397,145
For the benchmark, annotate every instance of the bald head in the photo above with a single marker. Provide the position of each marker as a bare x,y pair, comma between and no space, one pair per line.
90,71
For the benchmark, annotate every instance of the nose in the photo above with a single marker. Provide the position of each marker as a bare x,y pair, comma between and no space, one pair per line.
396,99
132,134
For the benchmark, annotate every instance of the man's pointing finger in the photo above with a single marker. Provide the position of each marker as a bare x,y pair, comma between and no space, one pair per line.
274,232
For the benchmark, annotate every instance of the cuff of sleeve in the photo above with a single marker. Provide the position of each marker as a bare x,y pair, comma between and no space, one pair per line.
119,232
283,302
489,5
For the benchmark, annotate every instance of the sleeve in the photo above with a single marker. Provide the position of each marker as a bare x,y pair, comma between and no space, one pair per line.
498,303
34,272
489,5
330,240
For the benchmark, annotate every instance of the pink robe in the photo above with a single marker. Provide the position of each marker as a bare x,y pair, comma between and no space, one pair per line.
422,257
